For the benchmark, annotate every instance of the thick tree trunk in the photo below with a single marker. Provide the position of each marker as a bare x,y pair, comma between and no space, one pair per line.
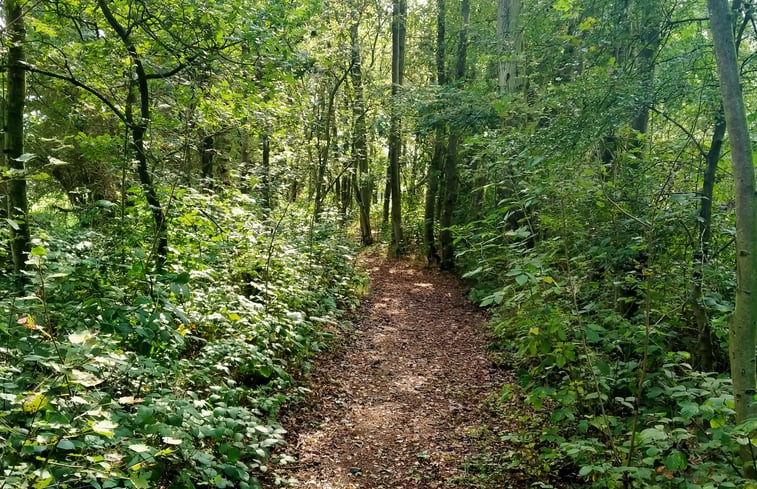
399,13
14,136
510,45
743,325
450,168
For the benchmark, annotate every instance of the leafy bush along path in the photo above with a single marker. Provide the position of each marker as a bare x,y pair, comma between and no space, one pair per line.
395,409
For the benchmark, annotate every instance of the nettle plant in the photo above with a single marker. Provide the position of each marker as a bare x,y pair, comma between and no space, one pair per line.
113,376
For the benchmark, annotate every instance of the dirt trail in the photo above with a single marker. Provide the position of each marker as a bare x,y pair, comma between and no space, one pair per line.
394,409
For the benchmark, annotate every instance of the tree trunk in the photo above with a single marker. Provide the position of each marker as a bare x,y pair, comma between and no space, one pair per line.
387,197
510,45
20,241
265,178
364,182
432,189
399,13
743,324
207,150
138,129
450,168
705,354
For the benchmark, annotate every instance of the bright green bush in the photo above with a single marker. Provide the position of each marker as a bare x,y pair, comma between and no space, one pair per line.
116,376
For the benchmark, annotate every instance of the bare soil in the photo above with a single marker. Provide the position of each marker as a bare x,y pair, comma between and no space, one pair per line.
396,407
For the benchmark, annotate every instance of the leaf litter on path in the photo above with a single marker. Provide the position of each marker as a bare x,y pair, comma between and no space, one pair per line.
395,407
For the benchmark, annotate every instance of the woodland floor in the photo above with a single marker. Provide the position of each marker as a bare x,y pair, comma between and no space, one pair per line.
399,404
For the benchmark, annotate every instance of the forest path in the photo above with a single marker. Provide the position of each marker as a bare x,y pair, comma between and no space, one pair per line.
395,407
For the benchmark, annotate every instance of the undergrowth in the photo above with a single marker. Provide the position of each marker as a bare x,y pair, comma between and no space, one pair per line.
600,338
115,375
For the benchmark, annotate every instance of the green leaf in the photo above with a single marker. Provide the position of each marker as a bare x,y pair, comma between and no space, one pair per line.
139,447
25,157
38,251
141,480
676,460
521,279
104,428
86,379
66,445
473,272
717,423
653,434
689,409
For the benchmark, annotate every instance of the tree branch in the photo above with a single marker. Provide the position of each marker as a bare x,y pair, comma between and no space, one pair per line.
73,81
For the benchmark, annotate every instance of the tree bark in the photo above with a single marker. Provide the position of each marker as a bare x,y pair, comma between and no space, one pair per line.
265,178
705,358
364,181
207,151
450,168
743,324
18,207
437,159
399,13
138,129
510,44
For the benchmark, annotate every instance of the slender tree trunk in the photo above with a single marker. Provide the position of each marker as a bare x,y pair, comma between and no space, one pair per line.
18,208
387,197
743,324
399,13
265,178
437,158
364,181
432,189
705,359
138,128
450,168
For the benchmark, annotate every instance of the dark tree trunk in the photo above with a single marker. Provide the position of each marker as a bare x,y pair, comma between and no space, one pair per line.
138,127
399,12
363,179
20,241
450,168
265,178
706,349
432,189
437,158
207,150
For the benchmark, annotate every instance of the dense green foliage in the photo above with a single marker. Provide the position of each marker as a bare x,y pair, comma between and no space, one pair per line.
193,168
115,376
